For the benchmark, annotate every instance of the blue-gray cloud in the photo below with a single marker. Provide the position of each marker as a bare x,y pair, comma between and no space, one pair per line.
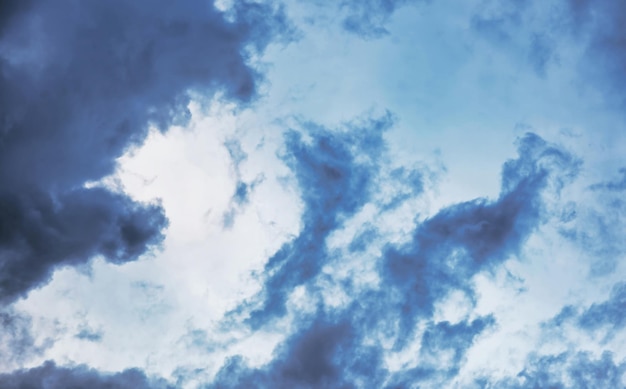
335,172
367,18
601,23
17,343
596,25
341,347
243,189
509,28
575,368
464,239
325,352
51,376
80,82
607,315
614,185
572,370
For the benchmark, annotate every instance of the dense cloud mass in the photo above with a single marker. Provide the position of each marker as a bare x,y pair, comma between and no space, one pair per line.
335,172
80,82
51,376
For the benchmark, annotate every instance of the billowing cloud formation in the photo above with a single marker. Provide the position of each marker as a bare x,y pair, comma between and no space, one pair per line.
335,171
80,82
464,239
50,376
346,346
384,285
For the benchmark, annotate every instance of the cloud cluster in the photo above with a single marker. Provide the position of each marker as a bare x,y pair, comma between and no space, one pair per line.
80,83
347,345
51,376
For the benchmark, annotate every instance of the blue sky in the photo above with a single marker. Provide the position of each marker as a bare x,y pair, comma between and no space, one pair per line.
312,194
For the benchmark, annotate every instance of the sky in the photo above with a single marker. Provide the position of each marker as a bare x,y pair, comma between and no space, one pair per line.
312,194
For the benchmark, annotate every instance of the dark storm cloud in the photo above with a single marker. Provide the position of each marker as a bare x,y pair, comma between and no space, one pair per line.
50,376
80,82
38,232
334,171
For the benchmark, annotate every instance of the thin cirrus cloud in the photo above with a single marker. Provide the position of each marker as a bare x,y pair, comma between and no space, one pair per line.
386,281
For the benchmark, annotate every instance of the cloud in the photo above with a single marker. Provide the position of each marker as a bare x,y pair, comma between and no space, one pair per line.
595,224
346,345
511,26
82,82
326,351
334,171
51,376
243,190
40,233
565,370
599,323
543,33
442,350
452,246
612,186
368,18
600,26
17,343
606,315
